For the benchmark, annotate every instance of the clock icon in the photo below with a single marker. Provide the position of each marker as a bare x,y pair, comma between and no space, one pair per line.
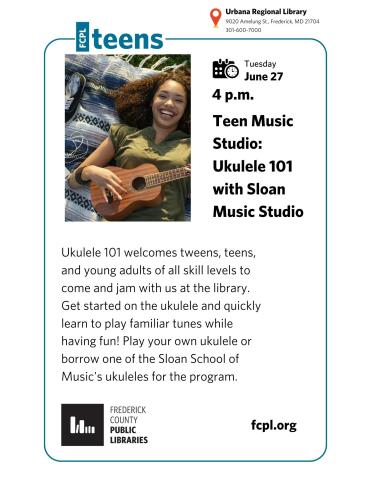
231,71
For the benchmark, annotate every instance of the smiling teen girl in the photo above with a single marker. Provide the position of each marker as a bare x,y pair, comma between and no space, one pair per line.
155,128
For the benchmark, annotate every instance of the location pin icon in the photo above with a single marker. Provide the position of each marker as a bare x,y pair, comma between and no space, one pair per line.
215,15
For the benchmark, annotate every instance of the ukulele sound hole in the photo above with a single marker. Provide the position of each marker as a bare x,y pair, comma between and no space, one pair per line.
139,183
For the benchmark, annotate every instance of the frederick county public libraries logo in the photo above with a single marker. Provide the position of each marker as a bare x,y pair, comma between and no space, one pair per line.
82,424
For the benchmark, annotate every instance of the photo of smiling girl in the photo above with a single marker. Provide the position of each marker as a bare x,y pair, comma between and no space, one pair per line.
154,129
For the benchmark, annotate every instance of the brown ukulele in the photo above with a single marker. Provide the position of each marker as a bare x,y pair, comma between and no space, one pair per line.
144,185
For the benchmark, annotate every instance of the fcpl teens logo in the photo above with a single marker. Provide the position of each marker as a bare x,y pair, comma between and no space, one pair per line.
111,41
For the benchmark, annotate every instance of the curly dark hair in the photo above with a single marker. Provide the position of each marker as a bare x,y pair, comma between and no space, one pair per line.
133,100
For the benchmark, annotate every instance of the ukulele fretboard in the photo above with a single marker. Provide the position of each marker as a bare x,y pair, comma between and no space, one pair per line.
168,176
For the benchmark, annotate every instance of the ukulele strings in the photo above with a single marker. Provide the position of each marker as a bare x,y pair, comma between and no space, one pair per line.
155,179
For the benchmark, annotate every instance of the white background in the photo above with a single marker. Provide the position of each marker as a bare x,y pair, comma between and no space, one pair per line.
343,30
282,375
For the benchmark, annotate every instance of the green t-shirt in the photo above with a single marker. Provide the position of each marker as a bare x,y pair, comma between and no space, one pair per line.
134,147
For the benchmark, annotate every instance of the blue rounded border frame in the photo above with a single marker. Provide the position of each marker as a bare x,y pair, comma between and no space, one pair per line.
326,265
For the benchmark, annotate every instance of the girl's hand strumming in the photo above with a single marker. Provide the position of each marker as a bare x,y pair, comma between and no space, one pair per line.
106,180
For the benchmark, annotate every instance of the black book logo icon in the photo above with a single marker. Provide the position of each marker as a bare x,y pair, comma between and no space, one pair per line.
82,424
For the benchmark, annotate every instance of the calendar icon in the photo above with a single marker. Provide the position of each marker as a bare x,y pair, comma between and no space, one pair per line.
225,69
